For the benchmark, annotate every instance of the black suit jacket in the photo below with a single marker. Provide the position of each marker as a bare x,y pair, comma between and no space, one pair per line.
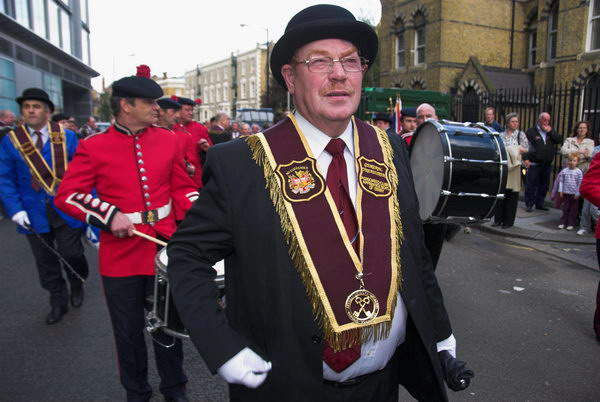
539,151
267,307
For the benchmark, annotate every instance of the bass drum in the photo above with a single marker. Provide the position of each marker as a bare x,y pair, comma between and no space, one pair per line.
163,315
459,170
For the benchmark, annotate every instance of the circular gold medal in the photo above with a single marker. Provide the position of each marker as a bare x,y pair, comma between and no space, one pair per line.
362,306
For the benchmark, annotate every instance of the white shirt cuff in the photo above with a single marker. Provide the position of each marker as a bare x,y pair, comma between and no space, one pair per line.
448,344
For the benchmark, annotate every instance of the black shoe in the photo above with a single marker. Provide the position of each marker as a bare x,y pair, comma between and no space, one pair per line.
56,314
181,398
542,208
506,226
528,209
77,296
496,224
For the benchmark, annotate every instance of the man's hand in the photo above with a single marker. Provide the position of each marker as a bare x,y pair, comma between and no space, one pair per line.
456,374
546,128
121,226
246,368
527,164
522,150
204,145
21,219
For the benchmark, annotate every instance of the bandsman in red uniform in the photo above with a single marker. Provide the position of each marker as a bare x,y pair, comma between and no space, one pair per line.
199,133
136,170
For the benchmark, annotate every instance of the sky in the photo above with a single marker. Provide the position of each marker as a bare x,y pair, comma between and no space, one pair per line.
174,36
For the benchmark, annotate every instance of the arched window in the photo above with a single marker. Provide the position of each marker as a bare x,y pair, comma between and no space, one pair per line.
470,105
400,31
418,86
594,26
532,42
419,22
552,31
591,104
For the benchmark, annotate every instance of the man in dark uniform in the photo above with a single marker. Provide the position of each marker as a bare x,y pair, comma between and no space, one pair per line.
33,159
383,121
220,131
408,123
136,170
312,243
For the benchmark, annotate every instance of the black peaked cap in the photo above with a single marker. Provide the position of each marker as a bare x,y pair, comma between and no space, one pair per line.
136,87
383,117
168,103
186,101
322,21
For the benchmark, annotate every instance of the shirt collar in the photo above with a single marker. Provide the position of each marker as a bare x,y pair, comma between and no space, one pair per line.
43,130
122,129
318,140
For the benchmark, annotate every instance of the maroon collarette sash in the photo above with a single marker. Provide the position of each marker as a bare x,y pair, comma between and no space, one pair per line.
48,178
353,295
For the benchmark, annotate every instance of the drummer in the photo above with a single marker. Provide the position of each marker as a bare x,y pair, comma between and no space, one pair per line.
139,179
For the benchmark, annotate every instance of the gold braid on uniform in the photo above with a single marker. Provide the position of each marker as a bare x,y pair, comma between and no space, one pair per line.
345,339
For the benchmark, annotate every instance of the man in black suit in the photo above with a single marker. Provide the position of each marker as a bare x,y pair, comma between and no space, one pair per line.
330,291
542,147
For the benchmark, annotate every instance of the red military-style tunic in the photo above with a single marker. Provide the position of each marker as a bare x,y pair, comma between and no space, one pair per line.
187,148
131,173
198,132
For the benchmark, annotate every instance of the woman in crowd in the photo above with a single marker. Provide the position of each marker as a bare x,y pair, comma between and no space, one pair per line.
516,145
580,142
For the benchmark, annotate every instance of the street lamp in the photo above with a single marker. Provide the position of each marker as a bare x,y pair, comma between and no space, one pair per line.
267,63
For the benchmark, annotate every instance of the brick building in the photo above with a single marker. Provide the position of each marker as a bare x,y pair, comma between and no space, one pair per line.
478,46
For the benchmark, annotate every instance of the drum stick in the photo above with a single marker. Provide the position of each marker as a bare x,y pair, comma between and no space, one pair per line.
152,239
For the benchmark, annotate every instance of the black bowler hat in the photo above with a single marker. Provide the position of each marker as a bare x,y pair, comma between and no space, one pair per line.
59,116
36,94
383,117
186,101
323,21
168,103
409,111
137,86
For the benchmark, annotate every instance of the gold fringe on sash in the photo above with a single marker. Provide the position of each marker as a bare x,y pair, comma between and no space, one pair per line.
343,339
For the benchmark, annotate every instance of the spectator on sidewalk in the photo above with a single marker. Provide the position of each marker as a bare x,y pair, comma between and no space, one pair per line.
590,190
89,128
580,142
542,143
568,191
516,145
490,119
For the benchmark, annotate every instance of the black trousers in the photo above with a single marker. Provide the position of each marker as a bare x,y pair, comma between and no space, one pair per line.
126,299
536,184
435,233
67,241
506,210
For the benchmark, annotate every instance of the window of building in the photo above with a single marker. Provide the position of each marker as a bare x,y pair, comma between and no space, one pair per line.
252,65
22,12
54,23
400,44
53,85
225,92
594,26
2,7
552,31
85,12
243,63
243,90
591,103
252,89
65,31
85,47
419,21
8,89
532,42
39,17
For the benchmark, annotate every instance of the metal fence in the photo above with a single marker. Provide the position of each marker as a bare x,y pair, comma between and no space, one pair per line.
567,104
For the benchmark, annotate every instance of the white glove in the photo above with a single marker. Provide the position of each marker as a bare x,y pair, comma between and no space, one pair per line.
246,368
21,219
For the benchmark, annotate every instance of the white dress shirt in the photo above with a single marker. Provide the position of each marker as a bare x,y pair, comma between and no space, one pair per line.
374,354
45,135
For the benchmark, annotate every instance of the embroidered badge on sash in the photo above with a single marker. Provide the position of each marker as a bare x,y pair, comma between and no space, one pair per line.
300,180
373,177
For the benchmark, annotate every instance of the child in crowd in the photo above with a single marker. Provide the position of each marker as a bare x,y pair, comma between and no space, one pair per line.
568,190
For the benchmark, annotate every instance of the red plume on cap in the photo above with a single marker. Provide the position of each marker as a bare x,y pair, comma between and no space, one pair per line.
198,101
175,98
143,71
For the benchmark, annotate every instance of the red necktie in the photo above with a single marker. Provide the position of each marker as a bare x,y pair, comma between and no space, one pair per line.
337,183
39,144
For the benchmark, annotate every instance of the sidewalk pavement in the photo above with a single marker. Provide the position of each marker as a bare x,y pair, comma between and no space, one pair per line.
538,230
539,225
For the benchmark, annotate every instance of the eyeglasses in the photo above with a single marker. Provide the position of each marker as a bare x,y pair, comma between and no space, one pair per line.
324,64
